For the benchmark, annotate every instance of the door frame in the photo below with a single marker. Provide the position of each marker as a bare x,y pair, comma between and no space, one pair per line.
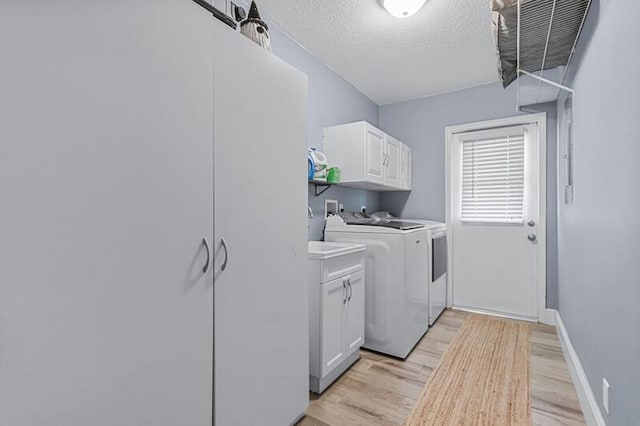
539,119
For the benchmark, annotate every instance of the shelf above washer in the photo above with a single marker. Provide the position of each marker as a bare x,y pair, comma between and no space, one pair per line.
321,184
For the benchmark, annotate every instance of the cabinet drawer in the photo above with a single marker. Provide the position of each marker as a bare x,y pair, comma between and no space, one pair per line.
339,266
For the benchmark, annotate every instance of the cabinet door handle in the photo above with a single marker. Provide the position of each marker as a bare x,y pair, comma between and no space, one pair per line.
350,289
205,268
344,289
223,243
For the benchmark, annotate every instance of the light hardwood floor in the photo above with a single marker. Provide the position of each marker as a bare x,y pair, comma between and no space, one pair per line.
380,390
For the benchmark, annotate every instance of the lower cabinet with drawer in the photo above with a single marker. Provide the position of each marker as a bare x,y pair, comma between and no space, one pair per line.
336,315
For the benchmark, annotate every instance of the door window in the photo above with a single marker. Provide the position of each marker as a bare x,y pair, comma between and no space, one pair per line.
493,179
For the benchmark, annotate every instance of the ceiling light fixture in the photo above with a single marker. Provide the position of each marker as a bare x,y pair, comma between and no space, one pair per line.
402,8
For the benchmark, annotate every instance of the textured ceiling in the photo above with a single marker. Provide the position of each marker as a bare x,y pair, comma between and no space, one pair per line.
447,45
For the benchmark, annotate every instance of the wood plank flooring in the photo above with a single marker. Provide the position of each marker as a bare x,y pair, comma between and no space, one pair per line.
379,390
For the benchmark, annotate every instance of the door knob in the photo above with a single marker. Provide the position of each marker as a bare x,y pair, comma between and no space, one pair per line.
532,237
531,223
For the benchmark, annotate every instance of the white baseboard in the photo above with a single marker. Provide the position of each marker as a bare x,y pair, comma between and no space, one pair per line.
550,318
588,403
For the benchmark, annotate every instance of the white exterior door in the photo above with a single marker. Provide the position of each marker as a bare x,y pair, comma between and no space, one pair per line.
495,207
354,323
334,299
392,161
374,155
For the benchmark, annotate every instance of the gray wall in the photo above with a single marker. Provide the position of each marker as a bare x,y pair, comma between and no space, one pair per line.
420,123
332,100
598,249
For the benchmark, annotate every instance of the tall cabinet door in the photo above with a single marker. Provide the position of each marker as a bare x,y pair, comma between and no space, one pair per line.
261,319
375,159
106,194
354,323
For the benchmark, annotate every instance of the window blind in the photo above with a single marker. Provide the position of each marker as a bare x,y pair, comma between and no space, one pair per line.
493,179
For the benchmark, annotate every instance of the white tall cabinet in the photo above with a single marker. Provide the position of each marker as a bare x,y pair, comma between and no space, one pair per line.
111,115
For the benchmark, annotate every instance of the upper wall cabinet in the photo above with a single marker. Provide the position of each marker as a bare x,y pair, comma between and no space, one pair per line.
368,158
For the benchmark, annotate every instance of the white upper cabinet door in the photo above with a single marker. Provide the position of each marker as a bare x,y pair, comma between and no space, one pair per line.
354,323
406,159
106,183
375,158
334,300
392,162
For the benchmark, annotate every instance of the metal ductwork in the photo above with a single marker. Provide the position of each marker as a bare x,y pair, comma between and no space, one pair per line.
537,35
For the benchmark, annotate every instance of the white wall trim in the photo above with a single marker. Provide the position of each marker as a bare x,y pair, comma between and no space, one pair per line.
588,403
540,119
551,317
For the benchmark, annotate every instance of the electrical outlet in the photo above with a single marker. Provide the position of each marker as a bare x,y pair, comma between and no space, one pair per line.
605,395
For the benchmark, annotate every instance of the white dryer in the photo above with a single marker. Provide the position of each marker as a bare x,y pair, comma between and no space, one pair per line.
437,272
396,303
437,260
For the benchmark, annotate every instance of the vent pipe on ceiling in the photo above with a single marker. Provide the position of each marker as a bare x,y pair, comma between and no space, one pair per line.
536,40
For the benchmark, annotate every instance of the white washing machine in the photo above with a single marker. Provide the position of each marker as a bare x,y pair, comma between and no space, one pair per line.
437,260
396,303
